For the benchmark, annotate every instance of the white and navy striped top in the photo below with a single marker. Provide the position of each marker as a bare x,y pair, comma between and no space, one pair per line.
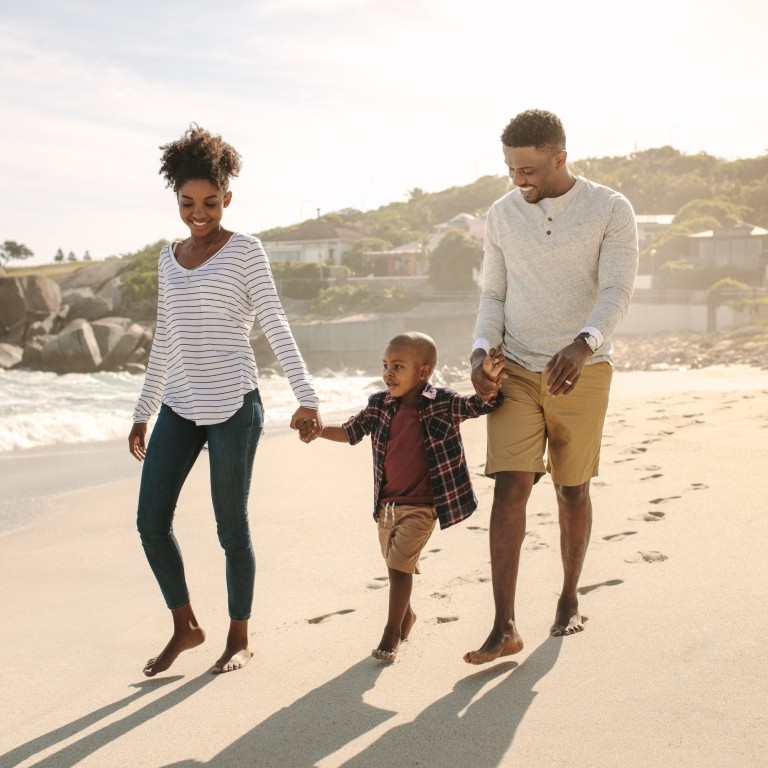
202,363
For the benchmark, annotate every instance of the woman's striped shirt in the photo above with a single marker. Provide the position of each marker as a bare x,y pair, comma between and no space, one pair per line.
202,364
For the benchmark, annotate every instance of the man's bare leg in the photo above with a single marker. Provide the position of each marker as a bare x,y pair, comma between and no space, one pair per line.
575,511
507,531
187,633
236,653
399,617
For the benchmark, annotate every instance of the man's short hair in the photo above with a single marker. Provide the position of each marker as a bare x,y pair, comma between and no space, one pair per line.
535,128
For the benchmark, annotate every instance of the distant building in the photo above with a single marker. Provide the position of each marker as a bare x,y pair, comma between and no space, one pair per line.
407,260
317,242
474,226
650,226
741,247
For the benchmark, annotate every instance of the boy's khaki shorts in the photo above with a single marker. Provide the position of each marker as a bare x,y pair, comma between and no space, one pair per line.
530,423
404,529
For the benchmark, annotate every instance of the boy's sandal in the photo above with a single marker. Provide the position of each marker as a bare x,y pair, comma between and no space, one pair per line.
388,656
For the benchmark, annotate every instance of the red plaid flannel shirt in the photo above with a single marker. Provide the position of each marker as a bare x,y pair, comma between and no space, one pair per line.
441,412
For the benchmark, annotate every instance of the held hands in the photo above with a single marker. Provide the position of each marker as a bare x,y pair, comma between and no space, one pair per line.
565,368
308,422
137,441
487,373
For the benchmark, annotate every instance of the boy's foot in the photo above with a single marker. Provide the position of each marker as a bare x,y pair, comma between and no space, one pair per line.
495,646
180,642
407,625
383,655
568,624
231,660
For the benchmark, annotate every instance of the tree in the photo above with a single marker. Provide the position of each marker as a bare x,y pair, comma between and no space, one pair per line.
59,255
452,262
87,256
355,258
10,249
71,256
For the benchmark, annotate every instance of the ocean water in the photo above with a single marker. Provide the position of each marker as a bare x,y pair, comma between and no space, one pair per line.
42,409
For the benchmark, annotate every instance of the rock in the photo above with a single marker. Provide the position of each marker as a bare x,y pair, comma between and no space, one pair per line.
118,338
83,303
93,275
74,350
24,300
10,355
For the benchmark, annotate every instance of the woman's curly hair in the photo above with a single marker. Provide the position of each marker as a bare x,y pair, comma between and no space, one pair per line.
199,154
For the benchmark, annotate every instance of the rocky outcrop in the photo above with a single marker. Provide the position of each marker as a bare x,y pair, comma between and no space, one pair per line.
23,301
71,328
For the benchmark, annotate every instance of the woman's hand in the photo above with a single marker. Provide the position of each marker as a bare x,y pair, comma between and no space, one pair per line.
136,441
308,422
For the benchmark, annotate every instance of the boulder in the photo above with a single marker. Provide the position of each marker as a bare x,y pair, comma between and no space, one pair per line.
118,338
10,355
26,299
90,275
74,350
83,303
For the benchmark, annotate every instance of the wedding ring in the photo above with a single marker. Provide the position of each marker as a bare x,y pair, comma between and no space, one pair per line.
568,382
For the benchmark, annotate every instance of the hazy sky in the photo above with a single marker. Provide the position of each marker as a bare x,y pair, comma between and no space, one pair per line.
344,103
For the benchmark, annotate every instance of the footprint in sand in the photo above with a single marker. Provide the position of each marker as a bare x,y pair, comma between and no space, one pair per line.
637,449
446,619
619,536
646,557
649,517
319,619
653,476
434,550
439,595
663,499
475,528
620,461
592,587
382,579
698,487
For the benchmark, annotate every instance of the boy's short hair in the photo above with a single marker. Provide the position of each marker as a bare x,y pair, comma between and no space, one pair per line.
420,342
534,128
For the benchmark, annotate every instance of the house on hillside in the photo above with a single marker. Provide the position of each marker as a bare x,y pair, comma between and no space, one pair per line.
474,226
650,226
741,248
407,260
317,242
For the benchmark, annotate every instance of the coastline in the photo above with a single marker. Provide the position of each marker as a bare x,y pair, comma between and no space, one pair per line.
666,672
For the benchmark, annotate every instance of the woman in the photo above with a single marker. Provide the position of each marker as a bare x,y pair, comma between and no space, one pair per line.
202,377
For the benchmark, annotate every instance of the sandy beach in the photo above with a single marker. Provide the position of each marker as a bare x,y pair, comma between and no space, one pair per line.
670,670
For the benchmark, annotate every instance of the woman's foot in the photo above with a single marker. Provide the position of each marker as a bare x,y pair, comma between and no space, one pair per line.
183,639
383,655
408,621
231,660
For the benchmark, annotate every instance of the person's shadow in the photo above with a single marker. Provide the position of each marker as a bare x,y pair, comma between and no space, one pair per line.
455,730
78,750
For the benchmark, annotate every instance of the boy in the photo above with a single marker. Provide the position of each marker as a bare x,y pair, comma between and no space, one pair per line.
420,471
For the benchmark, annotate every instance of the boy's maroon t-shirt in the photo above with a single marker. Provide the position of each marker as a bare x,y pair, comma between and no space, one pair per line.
406,470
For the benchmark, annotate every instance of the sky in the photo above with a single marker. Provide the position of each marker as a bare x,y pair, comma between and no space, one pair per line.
344,103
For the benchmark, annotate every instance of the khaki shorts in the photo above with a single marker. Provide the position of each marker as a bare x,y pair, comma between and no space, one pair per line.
530,423
404,529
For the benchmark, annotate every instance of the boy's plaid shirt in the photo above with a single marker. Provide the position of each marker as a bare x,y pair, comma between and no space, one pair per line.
441,412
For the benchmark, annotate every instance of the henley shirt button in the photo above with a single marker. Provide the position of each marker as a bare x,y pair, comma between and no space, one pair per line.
549,218
548,232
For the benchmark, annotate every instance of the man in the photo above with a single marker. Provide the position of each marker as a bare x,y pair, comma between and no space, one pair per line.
558,272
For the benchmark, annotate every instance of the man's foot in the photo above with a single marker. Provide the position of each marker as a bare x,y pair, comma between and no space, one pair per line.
498,644
407,625
383,655
181,641
231,660
567,623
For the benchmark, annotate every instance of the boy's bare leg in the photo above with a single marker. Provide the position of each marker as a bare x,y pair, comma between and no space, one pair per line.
575,512
187,633
237,653
507,531
400,586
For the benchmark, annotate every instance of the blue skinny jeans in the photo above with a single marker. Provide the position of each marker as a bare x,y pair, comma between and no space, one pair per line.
174,445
